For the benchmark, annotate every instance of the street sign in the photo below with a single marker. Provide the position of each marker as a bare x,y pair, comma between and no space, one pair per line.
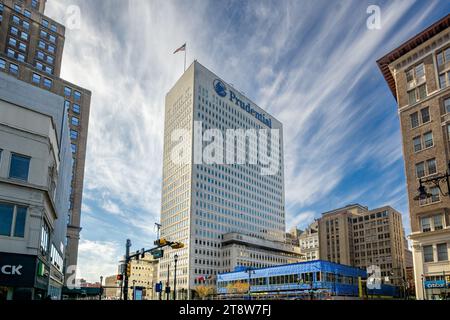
157,254
158,287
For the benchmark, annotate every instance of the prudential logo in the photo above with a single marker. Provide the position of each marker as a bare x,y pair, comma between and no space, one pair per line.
220,88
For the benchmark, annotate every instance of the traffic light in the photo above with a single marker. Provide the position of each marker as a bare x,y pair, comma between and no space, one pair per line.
128,269
161,242
119,277
177,245
142,253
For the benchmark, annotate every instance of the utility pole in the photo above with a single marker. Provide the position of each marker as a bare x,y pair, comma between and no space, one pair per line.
175,279
127,261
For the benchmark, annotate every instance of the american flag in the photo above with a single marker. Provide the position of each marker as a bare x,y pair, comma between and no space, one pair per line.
182,48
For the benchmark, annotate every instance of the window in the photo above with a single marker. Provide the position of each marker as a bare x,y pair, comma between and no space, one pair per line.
45,23
431,164
447,105
442,252
428,139
425,114
36,78
6,219
434,194
24,35
19,168
428,253
75,121
53,27
412,98
12,42
27,13
52,38
417,141
16,20
41,44
26,25
67,91
422,92
76,108
437,221
420,170
73,134
14,31
21,57
14,68
77,95
48,83
414,120
51,48
45,231
18,8
426,224
2,64
35,3
74,148
22,47
12,220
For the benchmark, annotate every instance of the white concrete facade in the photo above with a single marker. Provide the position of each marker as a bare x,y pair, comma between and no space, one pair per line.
201,202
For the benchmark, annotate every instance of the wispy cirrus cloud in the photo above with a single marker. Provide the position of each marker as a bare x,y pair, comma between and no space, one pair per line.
310,63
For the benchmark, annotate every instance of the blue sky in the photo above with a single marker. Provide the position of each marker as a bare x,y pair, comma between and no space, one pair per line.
312,64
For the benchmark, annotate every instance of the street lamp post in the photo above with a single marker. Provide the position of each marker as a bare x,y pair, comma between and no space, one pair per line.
101,288
175,278
250,271
168,283
435,181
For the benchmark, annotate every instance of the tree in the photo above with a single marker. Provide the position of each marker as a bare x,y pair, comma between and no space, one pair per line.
204,291
238,287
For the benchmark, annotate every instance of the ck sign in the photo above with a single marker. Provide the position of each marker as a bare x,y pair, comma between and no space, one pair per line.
11,270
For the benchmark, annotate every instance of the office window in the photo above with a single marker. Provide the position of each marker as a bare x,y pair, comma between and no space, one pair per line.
442,252
35,3
431,166
414,120
36,78
417,141
12,42
2,64
14,31
16,20
41,44
426,224
74,148
43,34
24,35
425,114
22,47
40,55
39,65
6,219
48,83
420,170
21,57
14,68
52,38
67,91
11,53
19,167
27,13
49,70
18,8
50,59
428,253
73,134
53,27
45,23
51,48
76,108
428,139
77,95
75,121
26,25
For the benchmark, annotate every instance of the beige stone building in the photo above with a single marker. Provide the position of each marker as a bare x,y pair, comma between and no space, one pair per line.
308,241
418,74
144,273
359,237
111,290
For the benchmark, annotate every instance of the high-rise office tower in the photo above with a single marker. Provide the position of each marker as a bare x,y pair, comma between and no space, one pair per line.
362,238
418,75
227,208
31,47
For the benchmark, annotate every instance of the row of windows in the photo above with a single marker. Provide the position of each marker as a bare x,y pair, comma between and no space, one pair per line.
38,79
433,223
13,68
12,220
441,253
